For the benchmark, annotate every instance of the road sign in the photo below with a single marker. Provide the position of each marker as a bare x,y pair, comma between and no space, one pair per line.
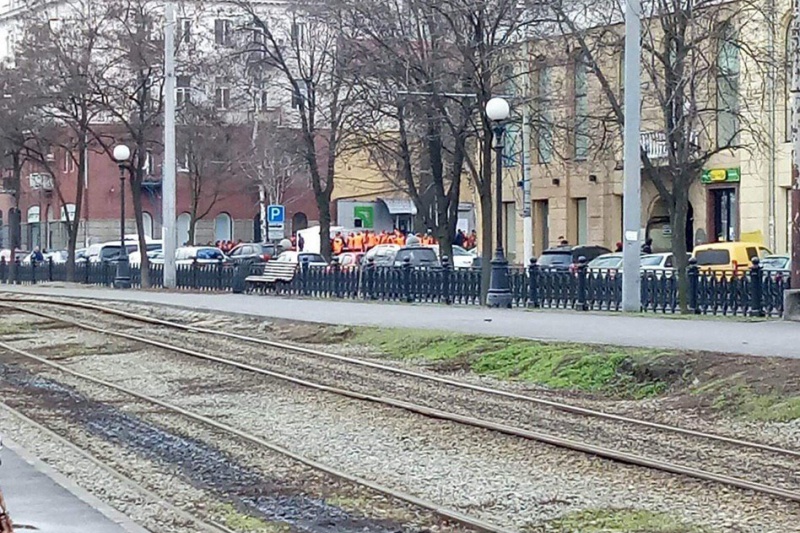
275,232
276,214
366,213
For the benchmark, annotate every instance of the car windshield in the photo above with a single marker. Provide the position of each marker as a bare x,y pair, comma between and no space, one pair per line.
651,260
555,259
775,263
417,256
109,251
209,253
713,257
457,250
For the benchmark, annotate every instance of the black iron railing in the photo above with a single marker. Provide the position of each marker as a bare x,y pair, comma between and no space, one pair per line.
753,292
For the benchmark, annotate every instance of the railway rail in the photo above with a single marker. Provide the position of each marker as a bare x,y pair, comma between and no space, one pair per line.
769,455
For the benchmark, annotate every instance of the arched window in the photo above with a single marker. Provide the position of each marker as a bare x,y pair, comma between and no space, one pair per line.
727,87
147,224
580,107
223,227
184,219
34,226
299,221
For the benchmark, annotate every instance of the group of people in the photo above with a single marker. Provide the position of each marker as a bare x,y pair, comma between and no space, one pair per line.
466,241
363,241
227,246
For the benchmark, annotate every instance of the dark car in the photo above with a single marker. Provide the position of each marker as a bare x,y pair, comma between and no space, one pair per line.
254,251
566,257
394,256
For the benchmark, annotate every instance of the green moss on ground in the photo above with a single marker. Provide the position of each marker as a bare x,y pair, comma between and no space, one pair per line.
621,521
741,400
619,372
233,519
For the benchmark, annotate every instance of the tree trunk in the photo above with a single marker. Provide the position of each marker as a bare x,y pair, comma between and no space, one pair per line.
324,206
679,210
73,222
144,265
15,227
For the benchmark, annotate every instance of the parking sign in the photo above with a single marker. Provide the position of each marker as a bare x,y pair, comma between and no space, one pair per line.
276,214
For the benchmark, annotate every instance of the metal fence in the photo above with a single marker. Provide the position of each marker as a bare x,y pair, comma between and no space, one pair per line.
753,292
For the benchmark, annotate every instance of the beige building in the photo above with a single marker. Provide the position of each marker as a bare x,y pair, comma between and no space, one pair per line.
576,165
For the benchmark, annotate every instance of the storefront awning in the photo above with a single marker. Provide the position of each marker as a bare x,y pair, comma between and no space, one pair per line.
399,206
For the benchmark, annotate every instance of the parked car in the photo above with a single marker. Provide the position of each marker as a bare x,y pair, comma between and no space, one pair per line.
201,255
291,256
419,256
59,257
606,262
109,251
350,260
732,258
254,251
462,259
135,258
5,254
776,263
566,257
381,255
660,264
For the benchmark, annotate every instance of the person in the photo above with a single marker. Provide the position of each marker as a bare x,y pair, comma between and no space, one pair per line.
5,519
648,246
618,248
460,239
562,241
372,240
301,242
338,243
37,256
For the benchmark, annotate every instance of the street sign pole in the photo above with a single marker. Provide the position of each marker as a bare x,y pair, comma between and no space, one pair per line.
795,192
168,185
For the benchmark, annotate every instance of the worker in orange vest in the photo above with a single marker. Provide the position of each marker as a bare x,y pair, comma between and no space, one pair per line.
338,243
384,238
399,238
372,240
358,242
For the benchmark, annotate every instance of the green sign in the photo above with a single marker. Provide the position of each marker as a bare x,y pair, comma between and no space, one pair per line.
367,215
722,175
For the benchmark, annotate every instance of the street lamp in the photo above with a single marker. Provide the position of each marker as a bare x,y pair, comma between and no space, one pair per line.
123,278
498,110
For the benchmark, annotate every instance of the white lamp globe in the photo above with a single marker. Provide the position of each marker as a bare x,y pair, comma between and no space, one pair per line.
121,153
497,109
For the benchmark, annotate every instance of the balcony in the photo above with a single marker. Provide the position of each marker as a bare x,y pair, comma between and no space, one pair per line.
654,143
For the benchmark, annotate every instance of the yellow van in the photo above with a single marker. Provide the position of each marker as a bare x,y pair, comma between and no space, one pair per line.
728,257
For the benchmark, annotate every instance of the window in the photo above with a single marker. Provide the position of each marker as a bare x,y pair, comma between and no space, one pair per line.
223,227
185,31
621,75
544,129
148,165
787,85
183,222
223,31
581,108
69,163
222,94
183,161
263,99
581,220
727,88
510,148
147,224
183,90
299,34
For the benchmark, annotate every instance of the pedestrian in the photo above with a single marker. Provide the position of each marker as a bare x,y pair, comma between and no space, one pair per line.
338,243
301,242
5,519
37,256
648,246
460,239
618,247
562,241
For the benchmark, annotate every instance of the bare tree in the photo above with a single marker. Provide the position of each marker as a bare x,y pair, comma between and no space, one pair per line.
301,47
60,62
694,56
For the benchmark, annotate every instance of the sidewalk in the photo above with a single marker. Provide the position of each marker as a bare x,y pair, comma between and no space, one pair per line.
40,500
767,338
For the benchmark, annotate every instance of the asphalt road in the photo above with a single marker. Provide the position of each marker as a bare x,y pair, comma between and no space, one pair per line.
765,338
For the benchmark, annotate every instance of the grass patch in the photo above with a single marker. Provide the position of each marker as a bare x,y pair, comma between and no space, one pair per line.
740,400
233,519
620,372
621,521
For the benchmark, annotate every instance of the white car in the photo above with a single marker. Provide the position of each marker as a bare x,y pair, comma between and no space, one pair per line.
606,262
300,257
59,257
462,259
109,251
154,256
659,264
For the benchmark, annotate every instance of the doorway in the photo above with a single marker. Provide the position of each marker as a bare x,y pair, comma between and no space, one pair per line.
724,216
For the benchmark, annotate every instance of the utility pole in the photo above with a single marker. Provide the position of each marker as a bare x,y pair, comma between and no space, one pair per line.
632,189
168,181
795,192
527,223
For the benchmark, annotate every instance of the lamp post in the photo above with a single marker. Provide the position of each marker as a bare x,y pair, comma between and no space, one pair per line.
499,295
122,280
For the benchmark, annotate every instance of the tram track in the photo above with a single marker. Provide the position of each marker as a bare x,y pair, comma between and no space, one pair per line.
787,472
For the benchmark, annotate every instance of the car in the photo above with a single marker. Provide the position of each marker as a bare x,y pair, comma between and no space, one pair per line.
381,255
776,263
291,256
732,258
135,258
350,260
659,265
566,257
200,255
254,251
611,261
418,256
109,251
462,259
5,254
58,257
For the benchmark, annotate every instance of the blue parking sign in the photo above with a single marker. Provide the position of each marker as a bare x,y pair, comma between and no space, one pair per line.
276,214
